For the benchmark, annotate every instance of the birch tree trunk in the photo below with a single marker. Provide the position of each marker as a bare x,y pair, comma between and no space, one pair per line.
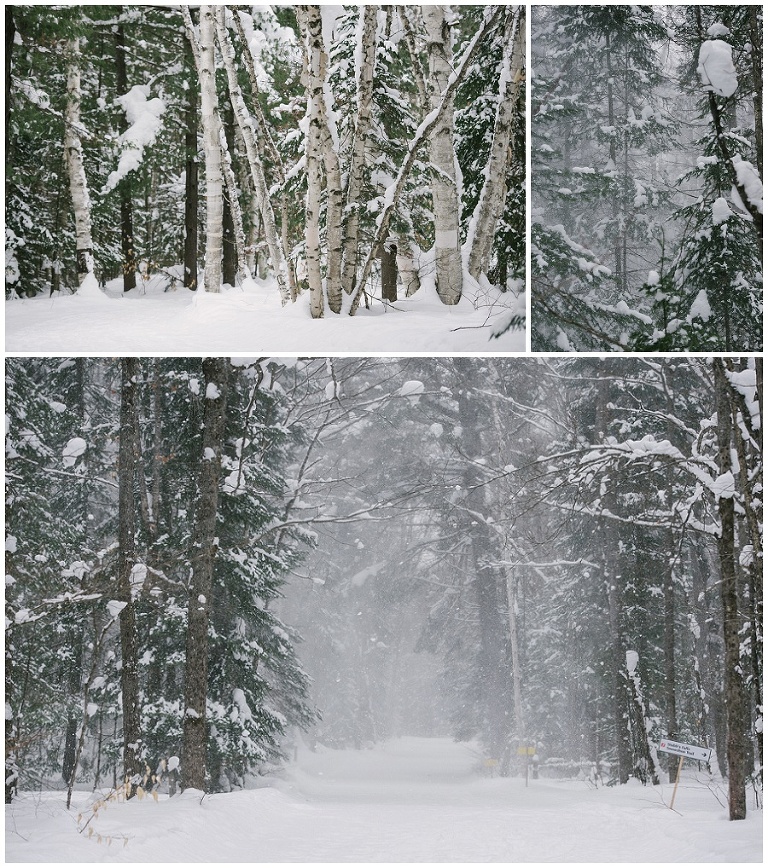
267,146
245,125
423,133
78,185
214,179
445,196
190,170
491,202
366,34
311,25
193,751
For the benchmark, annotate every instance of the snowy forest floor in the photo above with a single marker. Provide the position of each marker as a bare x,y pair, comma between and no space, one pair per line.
410,800
151,319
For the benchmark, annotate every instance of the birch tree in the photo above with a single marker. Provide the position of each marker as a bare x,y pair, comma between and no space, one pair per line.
445,196
245,126
508,124
78,184
321,140
366,36
214,179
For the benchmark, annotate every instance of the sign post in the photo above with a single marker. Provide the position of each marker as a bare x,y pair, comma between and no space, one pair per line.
691,751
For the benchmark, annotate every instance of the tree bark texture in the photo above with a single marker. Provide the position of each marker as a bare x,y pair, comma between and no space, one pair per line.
311,24
129,640
73,149
367,36
214,177
191,169
442,155
193,754
491,202
733,680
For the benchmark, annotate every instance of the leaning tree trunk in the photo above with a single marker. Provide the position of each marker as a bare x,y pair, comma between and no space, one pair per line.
78,185
246,126
734,686
193,751
491,202
126,559
442,155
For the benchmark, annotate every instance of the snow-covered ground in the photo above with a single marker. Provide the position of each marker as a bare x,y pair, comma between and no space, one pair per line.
155,319
411,800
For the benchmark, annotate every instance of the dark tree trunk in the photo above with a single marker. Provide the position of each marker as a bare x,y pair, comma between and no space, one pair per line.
734,686
191,171
129,643
494,663
389,271
670,674
10,35
124,187
229,256
193,752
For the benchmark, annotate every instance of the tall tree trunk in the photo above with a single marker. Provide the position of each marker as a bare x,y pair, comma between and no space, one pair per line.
670,672
78,185
125,185
229,267
490,205
366,35
126,520
245,124
442,155
191,179
193,751
311,24
10,36
734,686
214,178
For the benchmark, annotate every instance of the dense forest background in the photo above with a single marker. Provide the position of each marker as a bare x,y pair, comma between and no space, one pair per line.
565,554
305,144
647,165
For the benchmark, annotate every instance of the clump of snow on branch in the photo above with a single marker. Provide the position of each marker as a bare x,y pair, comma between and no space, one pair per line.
700,308
73,450
716,68
750,182
720,211
144,116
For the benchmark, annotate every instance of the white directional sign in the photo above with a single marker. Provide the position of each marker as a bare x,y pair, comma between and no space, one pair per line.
691,751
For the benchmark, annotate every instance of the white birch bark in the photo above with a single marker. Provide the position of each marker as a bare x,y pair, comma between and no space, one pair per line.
78,184
267,147
311,24
214,178
367,38
442,155
422,135
245,124
491,202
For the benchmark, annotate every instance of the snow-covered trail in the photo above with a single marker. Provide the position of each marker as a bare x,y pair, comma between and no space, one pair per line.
412,800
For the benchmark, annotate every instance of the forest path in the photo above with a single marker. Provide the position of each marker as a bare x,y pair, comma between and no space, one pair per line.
409,800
